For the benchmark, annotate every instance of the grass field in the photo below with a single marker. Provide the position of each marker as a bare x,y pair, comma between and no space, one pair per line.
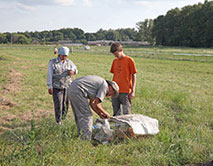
176,89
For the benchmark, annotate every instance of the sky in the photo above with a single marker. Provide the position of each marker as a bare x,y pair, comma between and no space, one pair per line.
88,15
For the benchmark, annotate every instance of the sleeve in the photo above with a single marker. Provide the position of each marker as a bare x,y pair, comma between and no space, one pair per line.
102,91
112,67
132,66
49,75
73,67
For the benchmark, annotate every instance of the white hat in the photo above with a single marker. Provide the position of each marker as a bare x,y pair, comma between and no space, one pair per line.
63,51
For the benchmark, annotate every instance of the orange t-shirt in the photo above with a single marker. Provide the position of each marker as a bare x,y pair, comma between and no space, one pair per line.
123,70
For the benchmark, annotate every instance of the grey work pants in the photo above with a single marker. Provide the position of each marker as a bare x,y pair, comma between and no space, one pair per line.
61,104
121,103
82,112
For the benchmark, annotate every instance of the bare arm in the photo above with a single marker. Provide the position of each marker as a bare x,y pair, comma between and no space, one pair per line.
96,106
132,93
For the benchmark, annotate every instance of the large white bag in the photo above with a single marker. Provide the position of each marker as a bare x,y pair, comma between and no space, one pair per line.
122,126
140,124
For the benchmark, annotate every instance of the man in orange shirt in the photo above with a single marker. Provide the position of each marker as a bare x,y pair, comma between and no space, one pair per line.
124,74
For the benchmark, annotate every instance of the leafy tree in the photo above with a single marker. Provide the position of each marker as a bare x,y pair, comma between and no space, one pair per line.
36,35
3,38
101,34
78,33
145,30
8,37
57,36
190,26
127,34
44,35
112,35
90,36
71,36
27,34
22,39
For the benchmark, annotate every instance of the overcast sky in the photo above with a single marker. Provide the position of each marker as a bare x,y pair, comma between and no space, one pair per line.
88,15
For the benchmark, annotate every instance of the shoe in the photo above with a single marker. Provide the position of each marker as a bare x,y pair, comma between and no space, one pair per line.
59,123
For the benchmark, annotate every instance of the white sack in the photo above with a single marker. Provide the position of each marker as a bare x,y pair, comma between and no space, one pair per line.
141,125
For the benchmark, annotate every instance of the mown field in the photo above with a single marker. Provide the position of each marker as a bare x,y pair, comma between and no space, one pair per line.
173,86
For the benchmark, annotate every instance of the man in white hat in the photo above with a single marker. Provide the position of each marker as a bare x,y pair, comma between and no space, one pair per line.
94,88
59,78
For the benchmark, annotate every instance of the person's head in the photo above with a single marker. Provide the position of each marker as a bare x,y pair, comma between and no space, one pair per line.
63,52
113,88
117,50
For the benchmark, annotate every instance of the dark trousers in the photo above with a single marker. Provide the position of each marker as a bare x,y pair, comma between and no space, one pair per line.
61,103
121,104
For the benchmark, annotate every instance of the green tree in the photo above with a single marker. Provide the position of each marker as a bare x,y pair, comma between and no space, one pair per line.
101,34
190,26
127,34
57,36
78,33
21,39
112,35
90,37
158,30
145,30
3,38
44,35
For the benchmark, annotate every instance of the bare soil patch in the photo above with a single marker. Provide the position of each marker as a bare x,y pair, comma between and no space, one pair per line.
14,82
13,86
23,119
5,104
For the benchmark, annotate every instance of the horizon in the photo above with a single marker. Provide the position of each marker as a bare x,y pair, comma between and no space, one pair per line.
87,15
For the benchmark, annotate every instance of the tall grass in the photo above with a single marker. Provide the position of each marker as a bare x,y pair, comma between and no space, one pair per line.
177,93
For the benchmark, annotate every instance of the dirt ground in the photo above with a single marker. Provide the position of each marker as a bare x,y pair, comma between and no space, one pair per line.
13,87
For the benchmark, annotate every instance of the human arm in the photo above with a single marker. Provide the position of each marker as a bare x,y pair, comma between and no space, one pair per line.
96,106
50,91
49,78
73,69
132,93
71,72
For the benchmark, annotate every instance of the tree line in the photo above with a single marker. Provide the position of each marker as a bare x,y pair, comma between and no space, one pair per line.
190,26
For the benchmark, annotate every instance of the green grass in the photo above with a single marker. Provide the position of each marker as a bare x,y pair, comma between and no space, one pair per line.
176,91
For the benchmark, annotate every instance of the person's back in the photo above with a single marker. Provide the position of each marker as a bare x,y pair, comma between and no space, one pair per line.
95,89
124,74
90,85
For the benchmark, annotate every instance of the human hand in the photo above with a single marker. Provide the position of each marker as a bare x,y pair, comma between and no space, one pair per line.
104,115
132,95
50,91
71,72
